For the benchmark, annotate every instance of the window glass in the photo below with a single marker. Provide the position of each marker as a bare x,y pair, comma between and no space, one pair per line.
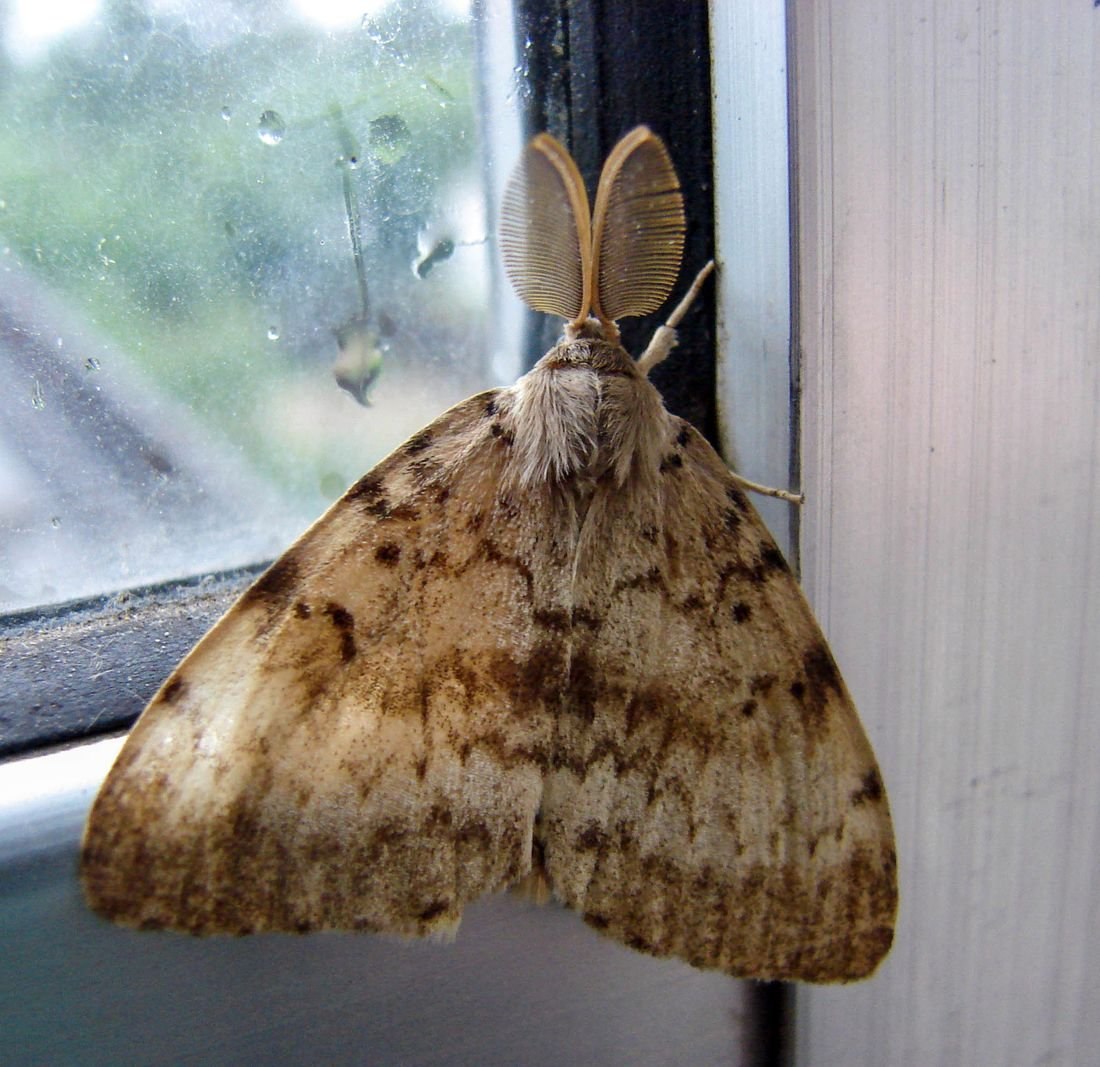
244,251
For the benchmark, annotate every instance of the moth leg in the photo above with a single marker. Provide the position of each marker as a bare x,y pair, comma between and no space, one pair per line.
664,340
767,490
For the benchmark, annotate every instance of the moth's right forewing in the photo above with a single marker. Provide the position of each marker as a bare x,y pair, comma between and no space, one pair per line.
344,749
713,795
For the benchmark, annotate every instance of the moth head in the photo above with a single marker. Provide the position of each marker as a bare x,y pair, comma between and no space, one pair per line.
593,267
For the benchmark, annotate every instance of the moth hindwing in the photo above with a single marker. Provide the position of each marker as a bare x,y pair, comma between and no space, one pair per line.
546,641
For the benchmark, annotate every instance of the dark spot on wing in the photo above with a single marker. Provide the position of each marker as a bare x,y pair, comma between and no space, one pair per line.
344,622
671,462
370,496
302,609
437,560
553,619
342,619
645,705
367,490
439,817
391,833
536,678
476,834
278,582
507,436
424,470
591,837
584,687
650,579
820,667
492,553
762,684
174,690
588,619
404,512
738,499
821,679
490,408
434,910
870,789
748,709
388,553
418,442
771,559
683,436
742,612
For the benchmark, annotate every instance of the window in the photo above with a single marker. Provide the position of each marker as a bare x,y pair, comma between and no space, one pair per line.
178,185
212,216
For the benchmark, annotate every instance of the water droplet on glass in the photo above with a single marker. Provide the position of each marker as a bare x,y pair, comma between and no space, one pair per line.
272,128
55,522
38,398
91,363
521,85
227,114
273,333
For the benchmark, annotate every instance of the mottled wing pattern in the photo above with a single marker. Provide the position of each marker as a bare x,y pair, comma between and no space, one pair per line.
713,797
359,742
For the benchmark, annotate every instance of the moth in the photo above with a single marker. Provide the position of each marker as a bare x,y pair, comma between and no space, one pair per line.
545,643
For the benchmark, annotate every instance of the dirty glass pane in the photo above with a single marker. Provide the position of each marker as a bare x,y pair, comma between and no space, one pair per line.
243,253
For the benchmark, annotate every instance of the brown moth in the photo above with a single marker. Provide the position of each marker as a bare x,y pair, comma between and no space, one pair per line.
547,642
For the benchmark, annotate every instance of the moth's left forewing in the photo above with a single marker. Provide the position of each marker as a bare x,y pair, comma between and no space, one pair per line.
359,742
715,796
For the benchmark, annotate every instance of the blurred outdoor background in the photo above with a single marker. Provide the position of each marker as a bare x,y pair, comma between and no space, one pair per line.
176,181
